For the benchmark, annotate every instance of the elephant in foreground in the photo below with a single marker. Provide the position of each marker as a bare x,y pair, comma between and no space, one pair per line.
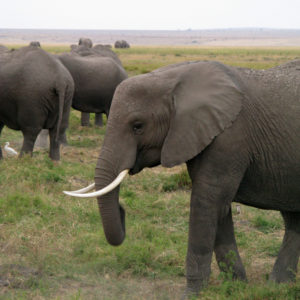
36,93
237,130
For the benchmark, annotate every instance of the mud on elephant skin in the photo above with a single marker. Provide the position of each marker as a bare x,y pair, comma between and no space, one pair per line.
238,132
36,93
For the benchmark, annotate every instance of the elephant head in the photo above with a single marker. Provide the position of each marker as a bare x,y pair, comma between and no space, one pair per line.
165,117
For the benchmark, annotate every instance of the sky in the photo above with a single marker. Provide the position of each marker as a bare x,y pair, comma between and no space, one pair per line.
150,14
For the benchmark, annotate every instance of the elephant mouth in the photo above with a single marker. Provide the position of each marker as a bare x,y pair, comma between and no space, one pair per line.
134,170
139,167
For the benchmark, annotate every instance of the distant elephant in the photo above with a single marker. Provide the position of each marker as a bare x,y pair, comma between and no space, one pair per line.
96,76
36,92
121,44
238,132
104,50
83,44
35,44
86,42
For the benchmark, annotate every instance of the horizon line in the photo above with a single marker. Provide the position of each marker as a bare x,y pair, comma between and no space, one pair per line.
183,30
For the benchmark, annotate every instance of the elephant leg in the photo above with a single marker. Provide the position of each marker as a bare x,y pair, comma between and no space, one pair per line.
202,233
85,119
30,135
63,139
226,251
210,209
1,127
285,267
54,153
98,120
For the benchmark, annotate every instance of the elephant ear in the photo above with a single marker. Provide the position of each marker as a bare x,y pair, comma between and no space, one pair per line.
206,100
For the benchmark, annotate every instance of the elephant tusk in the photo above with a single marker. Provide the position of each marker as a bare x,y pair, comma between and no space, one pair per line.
103,191
86,189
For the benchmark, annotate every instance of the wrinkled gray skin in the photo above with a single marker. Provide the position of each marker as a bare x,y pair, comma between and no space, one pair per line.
237,130
36,92
96,76
122,44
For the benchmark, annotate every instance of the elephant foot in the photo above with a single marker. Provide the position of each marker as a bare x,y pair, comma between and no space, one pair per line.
283,276
192,289
189,295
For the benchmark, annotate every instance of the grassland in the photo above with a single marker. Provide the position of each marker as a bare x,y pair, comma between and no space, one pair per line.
53,246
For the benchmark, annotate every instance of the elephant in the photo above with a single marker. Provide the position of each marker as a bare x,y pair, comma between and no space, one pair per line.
105,45
236,129
86,42
121,44
36,93
85,48
35,44
96,74
104,50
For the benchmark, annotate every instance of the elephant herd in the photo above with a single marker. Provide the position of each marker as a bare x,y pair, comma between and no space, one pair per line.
37,89
236,129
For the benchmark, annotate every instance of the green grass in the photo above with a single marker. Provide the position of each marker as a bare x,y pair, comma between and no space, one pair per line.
53,246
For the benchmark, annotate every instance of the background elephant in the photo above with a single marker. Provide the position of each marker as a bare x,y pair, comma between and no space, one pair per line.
86,42
35,44
96,73
121,44
36,92
238,132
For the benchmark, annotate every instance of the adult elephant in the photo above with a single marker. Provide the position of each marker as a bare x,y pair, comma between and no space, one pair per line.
122,44
96,75
36,93
85,48
238,132
86,42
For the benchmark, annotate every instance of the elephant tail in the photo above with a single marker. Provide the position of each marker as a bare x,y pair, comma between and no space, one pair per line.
65,96
60,91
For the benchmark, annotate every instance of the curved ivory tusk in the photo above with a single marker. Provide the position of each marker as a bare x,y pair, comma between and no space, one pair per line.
103,191
86,189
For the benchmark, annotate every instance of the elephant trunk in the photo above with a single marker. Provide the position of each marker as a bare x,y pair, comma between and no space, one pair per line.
112,213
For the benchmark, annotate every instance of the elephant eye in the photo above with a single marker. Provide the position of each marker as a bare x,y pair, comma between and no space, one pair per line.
137,128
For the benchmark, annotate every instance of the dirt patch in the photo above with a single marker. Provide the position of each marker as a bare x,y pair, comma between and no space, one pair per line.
16,276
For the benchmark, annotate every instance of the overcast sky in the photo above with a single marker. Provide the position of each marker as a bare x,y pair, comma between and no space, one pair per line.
150,14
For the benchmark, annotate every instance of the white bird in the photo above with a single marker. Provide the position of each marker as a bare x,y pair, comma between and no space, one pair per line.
10,151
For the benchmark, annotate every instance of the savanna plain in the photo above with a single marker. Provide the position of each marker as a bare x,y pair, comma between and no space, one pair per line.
53,246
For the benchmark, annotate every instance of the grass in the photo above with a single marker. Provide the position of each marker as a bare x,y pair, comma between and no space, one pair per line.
53,246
